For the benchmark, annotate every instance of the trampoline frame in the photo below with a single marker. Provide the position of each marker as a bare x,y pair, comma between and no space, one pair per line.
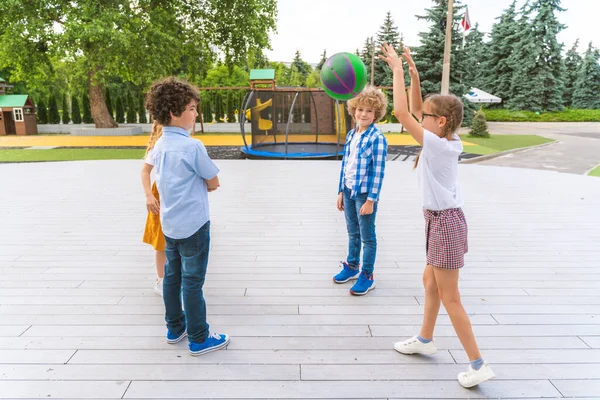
253,151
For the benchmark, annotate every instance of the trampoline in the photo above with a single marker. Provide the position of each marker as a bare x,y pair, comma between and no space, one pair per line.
293,123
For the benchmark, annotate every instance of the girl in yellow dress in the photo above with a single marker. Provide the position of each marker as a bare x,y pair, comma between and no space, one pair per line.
153,234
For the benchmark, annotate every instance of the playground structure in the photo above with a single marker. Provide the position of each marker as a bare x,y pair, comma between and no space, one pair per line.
291,123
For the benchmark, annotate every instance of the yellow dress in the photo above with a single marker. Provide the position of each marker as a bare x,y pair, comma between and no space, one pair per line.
153,234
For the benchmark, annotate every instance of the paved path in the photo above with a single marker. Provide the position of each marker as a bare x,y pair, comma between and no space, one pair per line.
78,318
577,147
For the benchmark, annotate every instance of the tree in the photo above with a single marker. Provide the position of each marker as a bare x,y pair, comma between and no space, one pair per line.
388,33
587,87
120,112
65,110
479,126
53,116
366,54
497,72
537,62
42,112
131,109
302,67
142,109
87,114
230,107
207,110
572,65
75,112
322,61
136,40
429,56
218,107
108,102
474,54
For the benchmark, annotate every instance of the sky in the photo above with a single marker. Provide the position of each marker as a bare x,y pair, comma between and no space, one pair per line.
311,26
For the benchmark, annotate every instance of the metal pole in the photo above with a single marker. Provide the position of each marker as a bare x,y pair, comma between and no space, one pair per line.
287,128
446,70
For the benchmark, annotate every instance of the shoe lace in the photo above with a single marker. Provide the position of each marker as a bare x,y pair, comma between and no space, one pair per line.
214,335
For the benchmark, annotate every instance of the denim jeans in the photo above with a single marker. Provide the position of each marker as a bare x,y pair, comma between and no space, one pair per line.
185,270
361,228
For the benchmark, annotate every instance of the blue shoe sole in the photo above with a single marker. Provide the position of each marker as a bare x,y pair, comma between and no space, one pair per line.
352,278
363,293
208,350
177,340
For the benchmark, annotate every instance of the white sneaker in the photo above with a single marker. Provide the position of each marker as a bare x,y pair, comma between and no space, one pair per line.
158,287
415,346
474,377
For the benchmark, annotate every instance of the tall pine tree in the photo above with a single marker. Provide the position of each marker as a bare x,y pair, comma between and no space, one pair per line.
131,109
322,61
87,112
587,87
537,81
429,57
120,113
66,118
497,72
302,67
75,112
366,54
388,33
142,109
42,112
474,54
573,62
108,102
53,116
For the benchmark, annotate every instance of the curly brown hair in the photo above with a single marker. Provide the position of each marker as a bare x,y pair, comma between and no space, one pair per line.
369,97
170,95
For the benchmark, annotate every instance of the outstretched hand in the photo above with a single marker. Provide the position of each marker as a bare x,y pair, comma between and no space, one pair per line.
412,68
390,57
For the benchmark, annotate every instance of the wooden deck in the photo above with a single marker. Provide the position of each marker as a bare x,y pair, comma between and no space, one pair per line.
78,318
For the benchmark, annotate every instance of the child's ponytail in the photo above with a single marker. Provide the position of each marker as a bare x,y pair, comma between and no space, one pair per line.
154,135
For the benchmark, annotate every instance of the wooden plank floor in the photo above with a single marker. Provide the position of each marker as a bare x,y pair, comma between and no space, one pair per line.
79,319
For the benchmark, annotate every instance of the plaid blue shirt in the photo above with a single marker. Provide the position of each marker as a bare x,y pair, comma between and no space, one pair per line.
370,168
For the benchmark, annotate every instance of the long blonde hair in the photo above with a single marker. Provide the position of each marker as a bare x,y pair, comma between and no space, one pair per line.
154,135
448,106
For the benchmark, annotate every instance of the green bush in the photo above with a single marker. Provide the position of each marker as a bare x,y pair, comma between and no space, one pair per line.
65,110
569,115
479,126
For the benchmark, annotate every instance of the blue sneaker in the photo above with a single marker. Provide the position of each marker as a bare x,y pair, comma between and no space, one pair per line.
347,273
172,338
213,342
364,284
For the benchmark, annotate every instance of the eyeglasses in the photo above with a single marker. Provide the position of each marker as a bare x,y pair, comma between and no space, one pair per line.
423,115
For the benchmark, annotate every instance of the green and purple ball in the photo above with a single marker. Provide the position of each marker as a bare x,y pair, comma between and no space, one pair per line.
343,76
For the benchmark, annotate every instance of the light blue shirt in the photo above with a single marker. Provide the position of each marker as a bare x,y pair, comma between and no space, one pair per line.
182,167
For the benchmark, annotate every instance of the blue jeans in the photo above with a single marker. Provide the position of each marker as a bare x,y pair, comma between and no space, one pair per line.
360,228
185,270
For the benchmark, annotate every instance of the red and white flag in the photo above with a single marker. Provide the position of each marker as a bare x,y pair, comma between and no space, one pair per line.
466,21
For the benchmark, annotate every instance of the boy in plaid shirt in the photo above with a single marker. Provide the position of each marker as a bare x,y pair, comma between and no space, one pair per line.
361,176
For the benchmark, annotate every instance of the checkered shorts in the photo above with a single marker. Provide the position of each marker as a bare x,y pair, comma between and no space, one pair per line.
446,238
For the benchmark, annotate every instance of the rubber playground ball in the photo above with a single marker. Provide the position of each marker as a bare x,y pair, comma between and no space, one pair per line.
343,76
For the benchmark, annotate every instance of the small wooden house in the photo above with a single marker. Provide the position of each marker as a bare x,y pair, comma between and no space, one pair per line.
17,113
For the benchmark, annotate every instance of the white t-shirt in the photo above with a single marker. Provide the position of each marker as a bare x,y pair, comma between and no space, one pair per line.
150,160
352,162
437,172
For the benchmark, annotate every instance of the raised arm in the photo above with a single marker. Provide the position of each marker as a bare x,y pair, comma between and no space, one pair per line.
416,100
401,111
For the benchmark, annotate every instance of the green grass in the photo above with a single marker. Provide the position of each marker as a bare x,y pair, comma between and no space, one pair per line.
595,172
498,143
22,155
501,115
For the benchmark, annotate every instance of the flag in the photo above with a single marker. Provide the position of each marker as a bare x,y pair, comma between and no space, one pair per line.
466,21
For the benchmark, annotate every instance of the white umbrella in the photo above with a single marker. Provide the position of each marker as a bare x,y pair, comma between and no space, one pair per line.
479,96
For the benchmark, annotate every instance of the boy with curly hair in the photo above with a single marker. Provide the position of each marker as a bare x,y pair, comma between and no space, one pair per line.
184,176
361,176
